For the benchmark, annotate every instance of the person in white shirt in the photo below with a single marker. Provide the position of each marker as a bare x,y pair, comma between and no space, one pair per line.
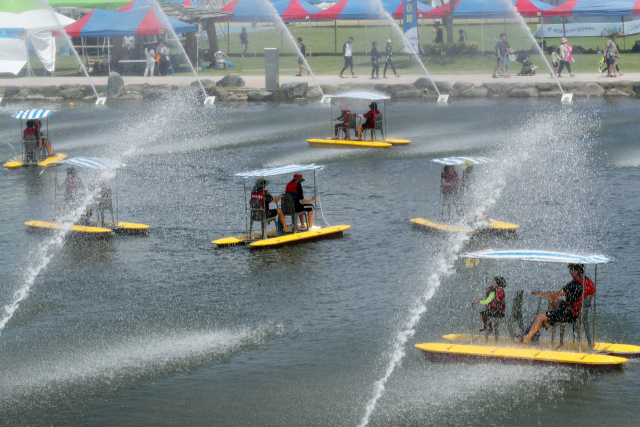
151,61
347,51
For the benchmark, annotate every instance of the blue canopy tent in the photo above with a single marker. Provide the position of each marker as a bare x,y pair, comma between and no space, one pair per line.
485,9
261,11
595,8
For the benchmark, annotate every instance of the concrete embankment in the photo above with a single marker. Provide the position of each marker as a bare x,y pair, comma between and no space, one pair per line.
232,88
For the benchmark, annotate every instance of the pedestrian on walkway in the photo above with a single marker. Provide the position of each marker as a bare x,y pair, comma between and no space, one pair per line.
612,54
388,61
244,40
347,51
375,67
563,56
303,53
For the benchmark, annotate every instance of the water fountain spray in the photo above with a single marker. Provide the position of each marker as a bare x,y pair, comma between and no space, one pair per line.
567,98
285,28
442,99
208,100
99,100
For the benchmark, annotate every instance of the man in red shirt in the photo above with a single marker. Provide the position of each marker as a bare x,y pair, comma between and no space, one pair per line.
371,119
47,143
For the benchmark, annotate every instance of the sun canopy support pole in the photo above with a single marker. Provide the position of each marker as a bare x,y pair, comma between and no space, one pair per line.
315,204
246,219
595,290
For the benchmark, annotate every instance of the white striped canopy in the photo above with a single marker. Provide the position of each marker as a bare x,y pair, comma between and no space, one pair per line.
460,160
93,163
279,171
32,114
360,95
539,256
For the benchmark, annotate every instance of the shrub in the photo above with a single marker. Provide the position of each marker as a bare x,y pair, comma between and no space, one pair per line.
458,48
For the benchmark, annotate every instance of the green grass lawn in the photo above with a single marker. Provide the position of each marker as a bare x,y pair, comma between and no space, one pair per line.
321,44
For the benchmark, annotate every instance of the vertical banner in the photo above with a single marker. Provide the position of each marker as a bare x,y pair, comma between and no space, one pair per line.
410,17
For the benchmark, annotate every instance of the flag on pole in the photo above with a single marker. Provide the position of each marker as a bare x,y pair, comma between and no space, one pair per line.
410,12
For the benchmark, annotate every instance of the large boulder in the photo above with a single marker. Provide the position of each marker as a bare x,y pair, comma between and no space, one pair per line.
313,93
495,87
478,92
589,89
259,95
205,82
115,84
570,86
44,90
136,88
444,87
231,80
66,86
616,84
462,86
11,91
546,86
21,95
550,94
635,87
294,89
616,92
75,93
415,93
523,93
423,83
391,89
221,94
153,94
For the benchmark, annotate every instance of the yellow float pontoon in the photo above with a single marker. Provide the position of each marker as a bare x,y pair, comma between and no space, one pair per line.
275,237
100,202
380,125
33,151
455,201
478,348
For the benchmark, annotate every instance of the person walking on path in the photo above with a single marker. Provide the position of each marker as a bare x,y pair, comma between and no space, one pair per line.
375,67
347,51
439,34
502,49
388,61
612,55
303,52
563,56
244,41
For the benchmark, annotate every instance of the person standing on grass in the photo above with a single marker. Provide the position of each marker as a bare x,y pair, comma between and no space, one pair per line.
375,67
612,55
439,34
244,41
347,51
563,56
303,52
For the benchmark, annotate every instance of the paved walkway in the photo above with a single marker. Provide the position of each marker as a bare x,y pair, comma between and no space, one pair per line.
256,82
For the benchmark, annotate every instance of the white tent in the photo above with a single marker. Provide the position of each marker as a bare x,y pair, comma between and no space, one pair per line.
35,26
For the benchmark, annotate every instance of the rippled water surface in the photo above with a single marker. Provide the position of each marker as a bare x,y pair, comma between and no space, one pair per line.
168,330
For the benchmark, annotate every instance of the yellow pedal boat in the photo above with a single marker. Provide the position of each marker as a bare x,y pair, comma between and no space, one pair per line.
490,347
492,225
101,203
255,212
33,151
380,124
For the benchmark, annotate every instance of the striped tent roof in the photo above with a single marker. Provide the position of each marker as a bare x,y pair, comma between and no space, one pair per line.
32,114
360,95
279,171
93,163
455,161
540,256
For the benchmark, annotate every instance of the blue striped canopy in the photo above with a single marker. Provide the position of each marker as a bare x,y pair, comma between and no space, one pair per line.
361,95
460,160
539,256
32,114
279,171
93,163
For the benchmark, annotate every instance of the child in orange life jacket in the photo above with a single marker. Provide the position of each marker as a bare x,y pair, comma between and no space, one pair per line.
344,120
495,301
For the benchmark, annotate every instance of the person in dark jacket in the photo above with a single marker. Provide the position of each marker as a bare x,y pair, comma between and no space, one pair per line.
303,52
347,51
388,61
344,120
375,67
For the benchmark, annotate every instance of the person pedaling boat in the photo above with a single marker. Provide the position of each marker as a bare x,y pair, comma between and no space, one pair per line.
495,302
294,188
32,130
73,190
563,311
371,119
261,194
344,121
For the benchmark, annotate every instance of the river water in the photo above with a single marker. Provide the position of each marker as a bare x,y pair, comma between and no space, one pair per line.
168,330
